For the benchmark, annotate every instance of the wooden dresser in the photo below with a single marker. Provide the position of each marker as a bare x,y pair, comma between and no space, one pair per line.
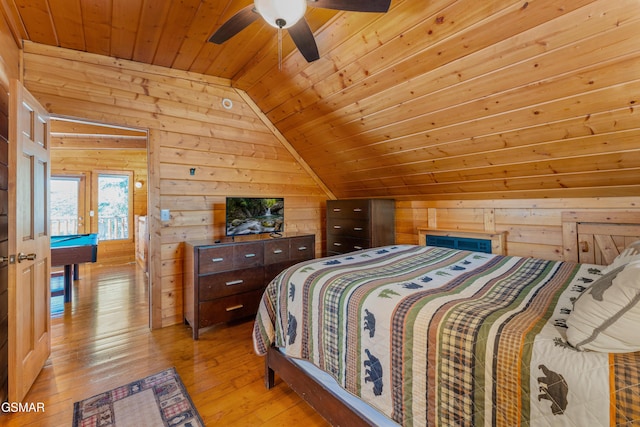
225,281
356,224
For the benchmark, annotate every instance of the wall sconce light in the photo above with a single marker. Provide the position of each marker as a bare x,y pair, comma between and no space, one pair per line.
138,184
192,171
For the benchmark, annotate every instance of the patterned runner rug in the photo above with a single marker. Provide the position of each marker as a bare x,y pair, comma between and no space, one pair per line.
157,400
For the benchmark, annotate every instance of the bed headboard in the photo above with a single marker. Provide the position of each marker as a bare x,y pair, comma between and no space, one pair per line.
598,237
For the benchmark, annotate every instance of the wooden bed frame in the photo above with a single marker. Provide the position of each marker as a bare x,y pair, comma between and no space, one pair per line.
605,234
323,400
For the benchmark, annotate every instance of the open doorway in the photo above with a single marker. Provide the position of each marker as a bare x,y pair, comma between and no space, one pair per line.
99,179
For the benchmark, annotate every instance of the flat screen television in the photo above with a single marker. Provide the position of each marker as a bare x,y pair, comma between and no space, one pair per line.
254,215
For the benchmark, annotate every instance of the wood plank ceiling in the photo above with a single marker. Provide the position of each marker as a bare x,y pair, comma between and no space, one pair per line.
445,99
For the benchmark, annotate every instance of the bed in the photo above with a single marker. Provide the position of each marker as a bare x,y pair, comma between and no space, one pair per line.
421,335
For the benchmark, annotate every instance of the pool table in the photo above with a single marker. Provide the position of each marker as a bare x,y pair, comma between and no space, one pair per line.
71,250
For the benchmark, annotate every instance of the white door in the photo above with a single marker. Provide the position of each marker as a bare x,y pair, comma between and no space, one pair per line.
29,241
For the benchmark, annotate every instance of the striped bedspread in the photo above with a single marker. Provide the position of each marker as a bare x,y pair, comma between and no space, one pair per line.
438,337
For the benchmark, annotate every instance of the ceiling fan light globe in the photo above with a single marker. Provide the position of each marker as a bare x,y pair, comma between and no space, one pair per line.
275,12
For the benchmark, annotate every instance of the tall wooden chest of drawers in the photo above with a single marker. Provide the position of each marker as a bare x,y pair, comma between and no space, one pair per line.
225,281
356,224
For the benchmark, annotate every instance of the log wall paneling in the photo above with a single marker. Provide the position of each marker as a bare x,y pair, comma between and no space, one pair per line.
233,151
533,227
9,55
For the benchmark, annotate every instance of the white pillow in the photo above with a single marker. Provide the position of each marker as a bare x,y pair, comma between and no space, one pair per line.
606,317
630,253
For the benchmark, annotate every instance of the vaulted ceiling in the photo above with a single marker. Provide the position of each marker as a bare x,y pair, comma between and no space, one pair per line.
434,99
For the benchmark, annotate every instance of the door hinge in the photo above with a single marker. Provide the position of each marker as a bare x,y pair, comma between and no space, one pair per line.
11,259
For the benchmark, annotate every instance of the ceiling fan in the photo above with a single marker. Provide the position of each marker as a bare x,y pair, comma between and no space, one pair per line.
289,15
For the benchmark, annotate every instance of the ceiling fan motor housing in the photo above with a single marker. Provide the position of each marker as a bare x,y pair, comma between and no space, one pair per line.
281,13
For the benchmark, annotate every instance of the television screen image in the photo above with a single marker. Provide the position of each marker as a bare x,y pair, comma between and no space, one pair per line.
253,215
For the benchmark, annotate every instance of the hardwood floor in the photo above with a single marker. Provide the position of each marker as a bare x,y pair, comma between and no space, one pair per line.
102,341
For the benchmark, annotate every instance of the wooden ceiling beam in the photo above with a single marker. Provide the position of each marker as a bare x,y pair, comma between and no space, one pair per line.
108,142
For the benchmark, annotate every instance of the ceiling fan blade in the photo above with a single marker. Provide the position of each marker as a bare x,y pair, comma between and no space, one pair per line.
235,24
303,38
353,5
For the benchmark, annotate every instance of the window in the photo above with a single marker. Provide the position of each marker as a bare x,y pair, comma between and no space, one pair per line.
64,205
114,206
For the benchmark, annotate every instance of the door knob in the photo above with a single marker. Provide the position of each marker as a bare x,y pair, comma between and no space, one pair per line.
22,257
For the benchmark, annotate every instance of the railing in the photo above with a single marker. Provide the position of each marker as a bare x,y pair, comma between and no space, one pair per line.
109,228
113,227
64,226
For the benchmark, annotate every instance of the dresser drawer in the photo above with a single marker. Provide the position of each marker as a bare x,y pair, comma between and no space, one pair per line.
302,248
348,209
341,244
214,259
230,282
248,255
229,257
348,227
230,308
276,251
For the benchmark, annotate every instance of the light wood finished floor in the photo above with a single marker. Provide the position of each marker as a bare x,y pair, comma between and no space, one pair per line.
102,341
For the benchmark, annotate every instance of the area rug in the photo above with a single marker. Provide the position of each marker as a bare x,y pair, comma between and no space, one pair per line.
157,400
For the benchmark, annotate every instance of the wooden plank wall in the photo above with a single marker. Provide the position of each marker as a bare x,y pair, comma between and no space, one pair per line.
9,69
533,226
233,151
89,163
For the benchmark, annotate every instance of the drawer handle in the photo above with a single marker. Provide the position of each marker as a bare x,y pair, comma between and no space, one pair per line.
337,209
277,251
249,255
337,244
235,307
235,282
217,259
357,209
357,228
357,247
337,227
302,248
